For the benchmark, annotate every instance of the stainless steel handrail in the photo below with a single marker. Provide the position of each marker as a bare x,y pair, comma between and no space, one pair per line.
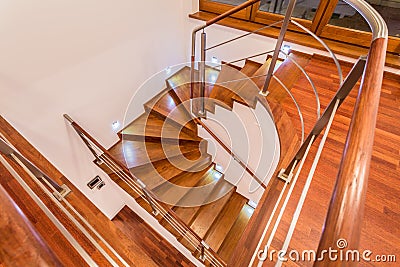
256,55
374,19
100,153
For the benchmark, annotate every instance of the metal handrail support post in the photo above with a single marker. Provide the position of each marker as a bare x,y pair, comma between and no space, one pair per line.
202,111
209,23
278,46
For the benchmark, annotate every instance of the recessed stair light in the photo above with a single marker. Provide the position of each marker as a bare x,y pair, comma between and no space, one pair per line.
214,60
217,175
115,125
286,49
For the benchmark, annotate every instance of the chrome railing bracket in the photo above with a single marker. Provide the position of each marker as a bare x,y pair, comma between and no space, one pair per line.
64,192
204,245
287,178
201,114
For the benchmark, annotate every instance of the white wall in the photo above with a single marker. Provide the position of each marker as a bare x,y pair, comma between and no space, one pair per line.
84,58
252,136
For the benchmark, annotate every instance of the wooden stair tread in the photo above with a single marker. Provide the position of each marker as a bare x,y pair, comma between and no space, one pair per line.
164,106
186,214
228,82
208,213
249,91
250,67
235,233
170,193
182,94
288,73
225,220
136,153
260,74
179,78
150,127
158,172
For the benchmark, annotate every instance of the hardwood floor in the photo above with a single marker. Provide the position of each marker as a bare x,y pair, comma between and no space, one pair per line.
381,226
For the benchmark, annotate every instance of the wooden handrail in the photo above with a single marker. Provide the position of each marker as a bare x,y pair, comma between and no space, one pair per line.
21,245
345,214
231,12
126,171
230,152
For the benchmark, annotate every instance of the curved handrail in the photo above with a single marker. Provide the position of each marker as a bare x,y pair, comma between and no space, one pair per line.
374,19
346,208
324,45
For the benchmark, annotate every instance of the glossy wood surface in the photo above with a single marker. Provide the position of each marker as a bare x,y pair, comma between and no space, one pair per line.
20,244
231,12
380,223
344,219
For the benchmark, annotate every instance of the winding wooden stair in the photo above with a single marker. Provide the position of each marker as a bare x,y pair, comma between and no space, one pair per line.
165,136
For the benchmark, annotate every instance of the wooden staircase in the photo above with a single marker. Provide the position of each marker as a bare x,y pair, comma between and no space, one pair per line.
161,148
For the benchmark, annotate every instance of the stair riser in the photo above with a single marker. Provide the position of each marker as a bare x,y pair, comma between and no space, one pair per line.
157,139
